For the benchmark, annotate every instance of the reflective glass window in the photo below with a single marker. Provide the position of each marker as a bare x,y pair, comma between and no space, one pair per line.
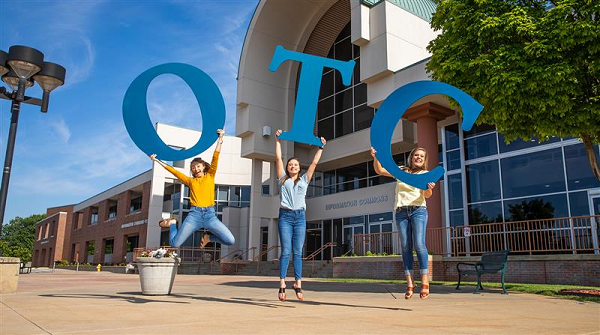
483,181
579,172
485,213
533,173
539,207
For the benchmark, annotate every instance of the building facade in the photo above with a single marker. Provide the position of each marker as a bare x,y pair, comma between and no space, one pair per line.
486,180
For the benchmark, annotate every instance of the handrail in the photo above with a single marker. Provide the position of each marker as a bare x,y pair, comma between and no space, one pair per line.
241,255
229,254
320,250
258,257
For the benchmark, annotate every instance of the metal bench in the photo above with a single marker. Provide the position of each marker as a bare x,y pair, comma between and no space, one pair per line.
491,262
25,267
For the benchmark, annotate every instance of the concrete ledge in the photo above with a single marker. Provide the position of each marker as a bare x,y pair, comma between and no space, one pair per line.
9,274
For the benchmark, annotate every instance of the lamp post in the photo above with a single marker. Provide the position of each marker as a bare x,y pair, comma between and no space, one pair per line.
20,68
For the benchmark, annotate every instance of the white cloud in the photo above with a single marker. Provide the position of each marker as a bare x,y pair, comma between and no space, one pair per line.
61,129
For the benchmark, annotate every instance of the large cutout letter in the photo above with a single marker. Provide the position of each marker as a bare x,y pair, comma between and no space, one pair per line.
303,125
138,123
391,112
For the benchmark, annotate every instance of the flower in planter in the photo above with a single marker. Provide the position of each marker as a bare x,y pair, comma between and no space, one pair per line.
159,253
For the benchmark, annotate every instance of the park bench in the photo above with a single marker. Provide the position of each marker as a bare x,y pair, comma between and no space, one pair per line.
25,267
490,263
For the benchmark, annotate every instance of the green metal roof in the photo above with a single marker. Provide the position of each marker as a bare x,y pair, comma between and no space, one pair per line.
421,8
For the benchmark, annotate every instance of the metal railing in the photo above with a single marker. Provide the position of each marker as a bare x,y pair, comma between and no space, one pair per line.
240,254
312,256
557,235
264,253
545,236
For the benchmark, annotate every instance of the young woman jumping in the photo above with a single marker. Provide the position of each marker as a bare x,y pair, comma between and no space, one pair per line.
202,199
411,217
292,210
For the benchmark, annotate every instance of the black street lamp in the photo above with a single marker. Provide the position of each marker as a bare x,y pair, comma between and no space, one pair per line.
19,68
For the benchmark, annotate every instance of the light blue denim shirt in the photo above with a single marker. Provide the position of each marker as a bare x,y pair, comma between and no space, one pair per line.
292,196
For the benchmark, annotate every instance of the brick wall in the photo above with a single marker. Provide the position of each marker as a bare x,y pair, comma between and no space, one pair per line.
390,267
544,269
110,228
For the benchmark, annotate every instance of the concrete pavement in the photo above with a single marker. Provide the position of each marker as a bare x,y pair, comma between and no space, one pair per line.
66,302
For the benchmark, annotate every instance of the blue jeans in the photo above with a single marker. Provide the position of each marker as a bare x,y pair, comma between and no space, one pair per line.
198,218
412,225
292,231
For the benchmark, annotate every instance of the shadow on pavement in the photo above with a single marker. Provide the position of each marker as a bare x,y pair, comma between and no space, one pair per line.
129,297
323,286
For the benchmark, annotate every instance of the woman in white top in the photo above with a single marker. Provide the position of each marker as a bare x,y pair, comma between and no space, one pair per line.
411,217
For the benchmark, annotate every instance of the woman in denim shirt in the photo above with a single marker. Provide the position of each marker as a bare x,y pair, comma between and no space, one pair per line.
292,218
411,217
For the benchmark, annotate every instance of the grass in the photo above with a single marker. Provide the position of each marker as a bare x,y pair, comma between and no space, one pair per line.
541,289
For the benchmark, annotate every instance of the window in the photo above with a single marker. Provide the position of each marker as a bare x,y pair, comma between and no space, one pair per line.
136,203
579,172
579,202
109,246
112,210
480,146
519,144
93,215
533,173
342,109
483,181
485,213
266,190
539,207
455,195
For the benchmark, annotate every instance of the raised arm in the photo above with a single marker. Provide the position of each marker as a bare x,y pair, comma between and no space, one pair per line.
215,158
185,179
315,161
278,161
221,133
378,168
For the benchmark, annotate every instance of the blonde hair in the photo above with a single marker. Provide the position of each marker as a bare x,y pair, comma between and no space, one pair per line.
409,165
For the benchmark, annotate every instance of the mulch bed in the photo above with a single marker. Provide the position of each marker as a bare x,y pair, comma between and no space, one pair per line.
581,293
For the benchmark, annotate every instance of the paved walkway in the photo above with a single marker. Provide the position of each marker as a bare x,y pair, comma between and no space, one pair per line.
67,302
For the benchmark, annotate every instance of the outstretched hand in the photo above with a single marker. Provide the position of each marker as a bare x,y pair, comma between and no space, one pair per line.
153,157
373,152
323,141
277,133
221,133
430,186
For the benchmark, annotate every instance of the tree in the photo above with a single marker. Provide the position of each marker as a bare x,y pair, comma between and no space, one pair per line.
18,236
533,64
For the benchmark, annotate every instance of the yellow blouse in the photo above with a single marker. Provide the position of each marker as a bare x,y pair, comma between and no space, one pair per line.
407,195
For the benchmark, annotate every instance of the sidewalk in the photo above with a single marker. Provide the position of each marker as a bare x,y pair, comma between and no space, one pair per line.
66,302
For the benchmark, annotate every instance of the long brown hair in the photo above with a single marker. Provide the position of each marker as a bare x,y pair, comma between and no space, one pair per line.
287,173
199,160
409,165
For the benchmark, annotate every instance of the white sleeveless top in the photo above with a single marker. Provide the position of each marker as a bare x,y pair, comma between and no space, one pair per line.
407,195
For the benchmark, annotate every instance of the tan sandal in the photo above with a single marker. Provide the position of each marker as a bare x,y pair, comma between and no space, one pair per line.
282,294
166,223
298,291
205,240
424,295
410,290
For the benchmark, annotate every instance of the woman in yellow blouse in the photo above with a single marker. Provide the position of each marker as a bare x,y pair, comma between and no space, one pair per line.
202,199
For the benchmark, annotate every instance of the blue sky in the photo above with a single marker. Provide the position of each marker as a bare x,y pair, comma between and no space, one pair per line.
80,147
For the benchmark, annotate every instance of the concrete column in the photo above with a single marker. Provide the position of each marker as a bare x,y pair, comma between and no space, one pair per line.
255,210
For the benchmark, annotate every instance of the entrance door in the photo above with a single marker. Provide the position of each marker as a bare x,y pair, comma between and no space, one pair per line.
314,239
